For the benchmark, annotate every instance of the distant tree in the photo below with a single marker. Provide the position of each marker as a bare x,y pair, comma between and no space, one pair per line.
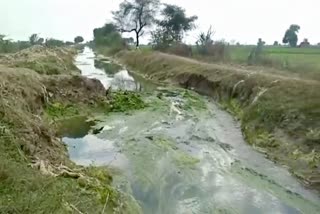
107,35
40,41
78,39
256,53
205,41
2,37
135,16
291,35
276,43
69,43
305,43
54,42
175,22
171,28
34,39
129,40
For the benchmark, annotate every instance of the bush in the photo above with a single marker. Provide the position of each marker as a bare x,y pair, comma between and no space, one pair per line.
108,36
216,51
54,43
180,49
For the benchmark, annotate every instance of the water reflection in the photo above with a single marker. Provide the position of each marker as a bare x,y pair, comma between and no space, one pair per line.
75,127
92,150
110,74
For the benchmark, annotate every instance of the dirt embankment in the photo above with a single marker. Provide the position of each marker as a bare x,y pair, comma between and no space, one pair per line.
280,116
36,175
43,60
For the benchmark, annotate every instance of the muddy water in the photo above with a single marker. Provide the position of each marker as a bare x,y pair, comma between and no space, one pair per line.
182,154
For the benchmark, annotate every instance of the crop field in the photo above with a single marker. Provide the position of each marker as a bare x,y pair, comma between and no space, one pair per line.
297,60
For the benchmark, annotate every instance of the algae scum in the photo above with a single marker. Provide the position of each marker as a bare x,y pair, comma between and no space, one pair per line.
179,153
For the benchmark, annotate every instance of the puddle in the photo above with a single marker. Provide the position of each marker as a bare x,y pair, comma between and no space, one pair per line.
75,127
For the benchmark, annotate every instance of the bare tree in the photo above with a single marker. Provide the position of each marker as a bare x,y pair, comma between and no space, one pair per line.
135,16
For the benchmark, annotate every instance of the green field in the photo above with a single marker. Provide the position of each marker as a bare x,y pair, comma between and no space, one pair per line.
303,61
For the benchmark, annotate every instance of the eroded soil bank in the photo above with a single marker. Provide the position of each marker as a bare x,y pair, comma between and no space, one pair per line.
279,116
39,88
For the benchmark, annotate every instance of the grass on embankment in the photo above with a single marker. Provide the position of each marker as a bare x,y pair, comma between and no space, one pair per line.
36,175
280,116
43,60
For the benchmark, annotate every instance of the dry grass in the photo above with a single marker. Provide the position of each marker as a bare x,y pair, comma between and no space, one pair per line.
43,60
277,112
27,135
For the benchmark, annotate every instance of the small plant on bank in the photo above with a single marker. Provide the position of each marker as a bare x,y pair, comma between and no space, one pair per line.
205,46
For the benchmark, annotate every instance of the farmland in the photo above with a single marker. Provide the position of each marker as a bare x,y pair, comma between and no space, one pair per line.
304,62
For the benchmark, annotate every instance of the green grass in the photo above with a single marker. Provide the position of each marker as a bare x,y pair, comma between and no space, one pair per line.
301,62
304,61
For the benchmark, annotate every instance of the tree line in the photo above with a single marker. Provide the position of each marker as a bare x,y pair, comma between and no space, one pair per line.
7,45
167,25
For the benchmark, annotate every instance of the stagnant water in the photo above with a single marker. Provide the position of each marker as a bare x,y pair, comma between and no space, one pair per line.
183,154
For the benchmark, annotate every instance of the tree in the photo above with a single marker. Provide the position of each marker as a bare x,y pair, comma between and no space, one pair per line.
107,35
175,22
256,53
291,35
108,30
205,38
135,16
172,27
34,39
129,41
305,43
78,39
50,42
276,43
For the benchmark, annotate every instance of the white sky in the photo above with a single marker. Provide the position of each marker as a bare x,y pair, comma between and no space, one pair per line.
241,20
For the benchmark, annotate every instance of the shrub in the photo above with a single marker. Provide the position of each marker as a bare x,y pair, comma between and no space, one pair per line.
180,49
207,47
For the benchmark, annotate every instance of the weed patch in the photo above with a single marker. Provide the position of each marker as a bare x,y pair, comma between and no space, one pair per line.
123,101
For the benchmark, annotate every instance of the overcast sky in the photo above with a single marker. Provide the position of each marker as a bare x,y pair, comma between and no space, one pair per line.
240,20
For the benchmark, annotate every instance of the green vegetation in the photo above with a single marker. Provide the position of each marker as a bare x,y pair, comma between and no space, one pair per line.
57,110
34,39
135,16
301,62
171,28
291,36
78,39
9,46
124,101
51,42
108,40
193,101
